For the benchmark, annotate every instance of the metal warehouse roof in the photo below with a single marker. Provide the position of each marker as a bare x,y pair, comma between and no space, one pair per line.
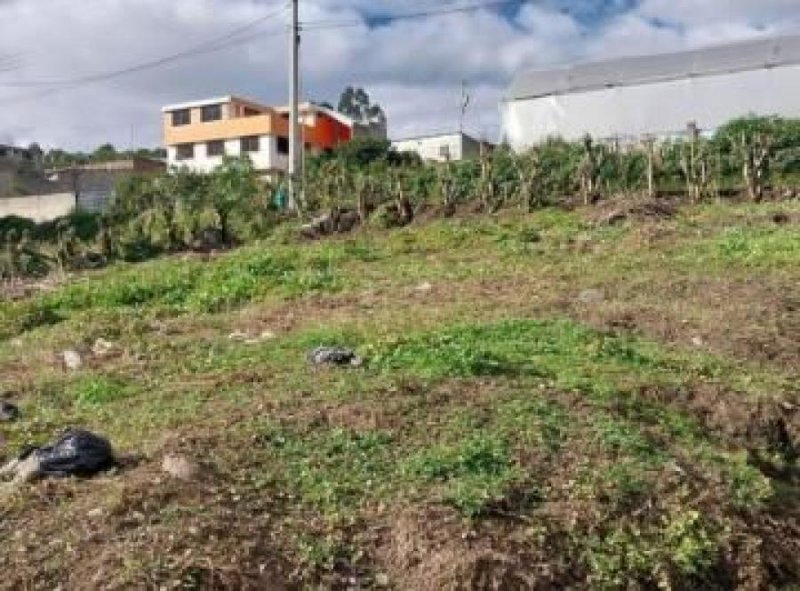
628,71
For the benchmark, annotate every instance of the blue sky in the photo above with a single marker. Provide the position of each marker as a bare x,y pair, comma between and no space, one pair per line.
414,68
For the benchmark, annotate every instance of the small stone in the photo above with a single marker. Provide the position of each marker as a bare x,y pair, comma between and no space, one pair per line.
102,348
180,467
72,359
267,335
95,513
424,287
237,336
698,342
382,580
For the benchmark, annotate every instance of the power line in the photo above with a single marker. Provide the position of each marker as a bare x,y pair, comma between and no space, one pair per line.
331,24
229,39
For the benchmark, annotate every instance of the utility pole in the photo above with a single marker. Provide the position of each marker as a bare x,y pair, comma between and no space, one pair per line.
294,110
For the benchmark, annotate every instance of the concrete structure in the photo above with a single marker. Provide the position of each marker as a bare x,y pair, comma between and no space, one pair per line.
19,169
93,185
39,208
659,95
200,134
447,147
13,155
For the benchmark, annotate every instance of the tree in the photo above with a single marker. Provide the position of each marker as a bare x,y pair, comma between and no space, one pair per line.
356,104
104,153
233,185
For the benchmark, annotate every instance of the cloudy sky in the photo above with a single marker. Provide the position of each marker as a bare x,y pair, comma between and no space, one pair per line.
55,54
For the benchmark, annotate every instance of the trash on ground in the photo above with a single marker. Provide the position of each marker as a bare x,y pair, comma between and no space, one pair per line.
76,453
335,356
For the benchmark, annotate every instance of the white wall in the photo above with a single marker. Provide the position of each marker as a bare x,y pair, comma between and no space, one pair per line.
663,108
267,158
429,147
39,208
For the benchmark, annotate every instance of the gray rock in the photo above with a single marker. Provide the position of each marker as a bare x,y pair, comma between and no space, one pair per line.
72,359
340,356
180,467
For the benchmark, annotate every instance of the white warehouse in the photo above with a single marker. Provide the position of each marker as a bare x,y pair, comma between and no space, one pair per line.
658,95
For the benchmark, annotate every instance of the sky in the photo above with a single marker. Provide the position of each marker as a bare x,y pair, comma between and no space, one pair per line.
53,54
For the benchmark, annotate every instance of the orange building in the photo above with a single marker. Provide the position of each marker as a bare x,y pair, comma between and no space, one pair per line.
199,134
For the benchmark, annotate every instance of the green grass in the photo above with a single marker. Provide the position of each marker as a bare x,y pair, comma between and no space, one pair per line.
495,398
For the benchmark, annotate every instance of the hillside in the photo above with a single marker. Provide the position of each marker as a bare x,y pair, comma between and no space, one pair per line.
548,401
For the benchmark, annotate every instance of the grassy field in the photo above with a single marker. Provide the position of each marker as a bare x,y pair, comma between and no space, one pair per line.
547,402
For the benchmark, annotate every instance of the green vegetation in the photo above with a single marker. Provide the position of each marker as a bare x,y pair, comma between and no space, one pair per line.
544,395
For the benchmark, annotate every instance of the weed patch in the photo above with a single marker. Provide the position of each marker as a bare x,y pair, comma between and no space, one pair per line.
473,473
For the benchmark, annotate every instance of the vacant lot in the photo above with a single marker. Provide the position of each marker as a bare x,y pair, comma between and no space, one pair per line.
548,401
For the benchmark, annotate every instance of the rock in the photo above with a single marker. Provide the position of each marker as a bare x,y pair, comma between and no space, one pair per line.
424,287
382,580
238,336
180,467
591,296
102,348
72,359
335,356
95,513
8,412
697,342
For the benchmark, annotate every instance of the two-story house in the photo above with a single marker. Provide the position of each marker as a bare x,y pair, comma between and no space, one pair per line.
200,134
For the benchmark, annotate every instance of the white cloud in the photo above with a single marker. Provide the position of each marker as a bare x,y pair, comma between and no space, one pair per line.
413,67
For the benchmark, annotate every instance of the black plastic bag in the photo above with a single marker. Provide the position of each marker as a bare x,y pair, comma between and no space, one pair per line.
76,453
